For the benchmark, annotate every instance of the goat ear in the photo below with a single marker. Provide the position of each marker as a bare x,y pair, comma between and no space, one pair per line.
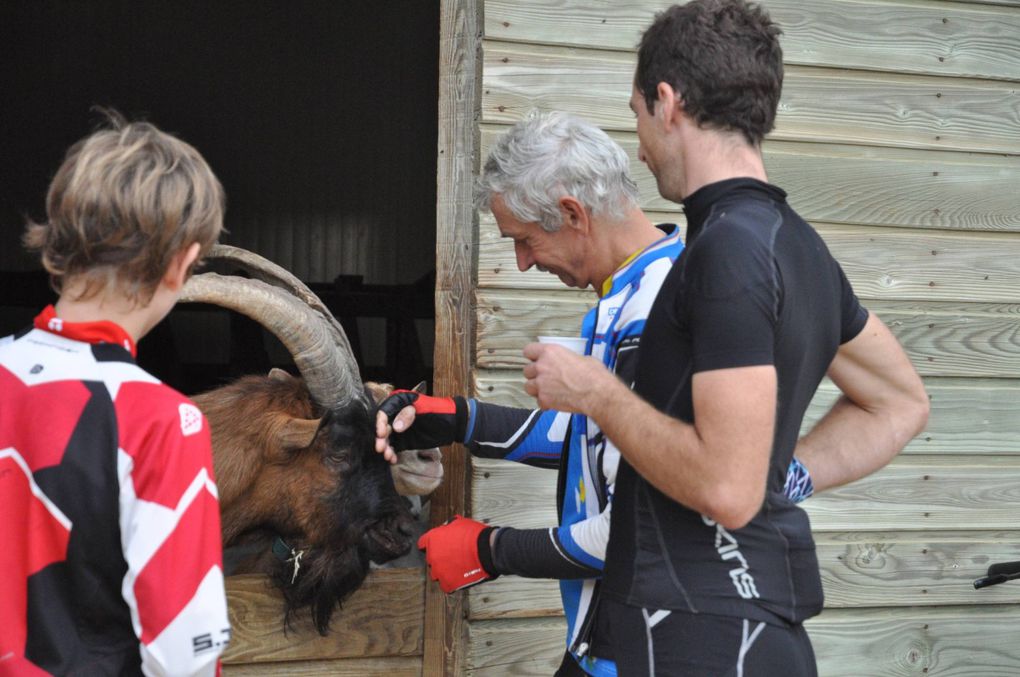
298,433
421,388
276,374
378,391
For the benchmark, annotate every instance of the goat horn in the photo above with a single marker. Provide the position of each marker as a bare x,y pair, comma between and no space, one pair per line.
314,338
263,269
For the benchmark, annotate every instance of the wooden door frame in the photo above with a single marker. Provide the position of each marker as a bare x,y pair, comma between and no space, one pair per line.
460,68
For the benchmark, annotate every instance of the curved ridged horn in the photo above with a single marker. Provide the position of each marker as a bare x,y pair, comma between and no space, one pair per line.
313,336
263,269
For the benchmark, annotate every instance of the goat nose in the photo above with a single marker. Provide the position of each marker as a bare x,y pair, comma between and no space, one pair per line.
430,454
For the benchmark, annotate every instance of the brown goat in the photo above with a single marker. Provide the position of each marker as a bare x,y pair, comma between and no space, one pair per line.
314,482
300,484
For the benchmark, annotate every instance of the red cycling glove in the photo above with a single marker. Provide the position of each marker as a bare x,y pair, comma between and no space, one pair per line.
438,421
458,553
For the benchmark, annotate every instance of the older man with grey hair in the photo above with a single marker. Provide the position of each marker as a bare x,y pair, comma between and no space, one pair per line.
561,189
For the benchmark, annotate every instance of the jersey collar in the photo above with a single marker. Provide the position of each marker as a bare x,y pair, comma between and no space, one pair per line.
102,331
607,284
670,231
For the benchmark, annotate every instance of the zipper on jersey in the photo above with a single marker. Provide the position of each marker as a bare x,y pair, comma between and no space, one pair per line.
561,479
582,644
594,458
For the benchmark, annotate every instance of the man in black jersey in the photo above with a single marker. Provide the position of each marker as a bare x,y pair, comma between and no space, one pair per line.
710,570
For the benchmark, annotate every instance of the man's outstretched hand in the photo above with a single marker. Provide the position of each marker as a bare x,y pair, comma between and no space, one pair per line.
459,553
410,420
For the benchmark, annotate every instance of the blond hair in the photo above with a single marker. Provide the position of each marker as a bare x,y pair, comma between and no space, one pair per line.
125,201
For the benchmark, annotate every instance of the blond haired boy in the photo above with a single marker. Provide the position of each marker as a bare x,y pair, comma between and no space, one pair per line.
112,558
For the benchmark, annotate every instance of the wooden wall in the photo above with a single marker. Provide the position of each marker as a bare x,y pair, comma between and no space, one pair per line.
898,137
377,631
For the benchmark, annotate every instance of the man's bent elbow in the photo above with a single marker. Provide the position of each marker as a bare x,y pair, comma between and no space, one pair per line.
913,410
920,409
735,510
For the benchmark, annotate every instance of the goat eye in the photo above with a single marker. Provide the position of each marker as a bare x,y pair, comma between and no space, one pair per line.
339,459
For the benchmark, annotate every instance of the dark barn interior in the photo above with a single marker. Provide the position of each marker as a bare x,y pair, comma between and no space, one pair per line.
319,118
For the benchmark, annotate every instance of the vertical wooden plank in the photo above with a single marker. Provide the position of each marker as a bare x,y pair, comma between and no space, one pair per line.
456,236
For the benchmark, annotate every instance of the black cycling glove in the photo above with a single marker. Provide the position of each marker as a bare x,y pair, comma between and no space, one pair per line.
438,421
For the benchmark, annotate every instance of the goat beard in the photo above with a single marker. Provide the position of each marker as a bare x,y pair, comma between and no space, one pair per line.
327,576
329,572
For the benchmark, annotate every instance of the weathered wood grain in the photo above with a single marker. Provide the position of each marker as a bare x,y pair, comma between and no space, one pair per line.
902,264
348,667
822,105
941,339
968,340
456,226
934,38
968,416
383,618
926,493
515,647
961,641
1004,3
544,313
844,184
881,263
858,570
978,641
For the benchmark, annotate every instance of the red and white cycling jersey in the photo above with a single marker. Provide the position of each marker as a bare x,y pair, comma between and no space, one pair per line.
111,550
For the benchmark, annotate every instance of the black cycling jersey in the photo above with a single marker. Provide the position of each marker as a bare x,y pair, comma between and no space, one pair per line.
755,286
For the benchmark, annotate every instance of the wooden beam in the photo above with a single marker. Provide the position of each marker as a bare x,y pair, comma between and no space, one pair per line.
881,263
968,415
345,667
862,185
928,493
819,104
382,618
941,339
920,37
456,236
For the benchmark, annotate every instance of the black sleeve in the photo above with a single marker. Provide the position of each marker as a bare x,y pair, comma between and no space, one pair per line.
854,315
495,431
733,300
534,553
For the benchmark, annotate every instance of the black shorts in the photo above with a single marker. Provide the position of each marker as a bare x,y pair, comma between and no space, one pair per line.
667,643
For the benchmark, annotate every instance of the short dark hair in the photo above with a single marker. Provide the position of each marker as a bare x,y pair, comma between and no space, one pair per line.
724,60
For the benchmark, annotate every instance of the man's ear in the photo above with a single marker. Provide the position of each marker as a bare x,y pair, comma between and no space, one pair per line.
180,266
669,105
574,214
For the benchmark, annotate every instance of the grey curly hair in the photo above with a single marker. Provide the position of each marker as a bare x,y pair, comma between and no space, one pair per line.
549,155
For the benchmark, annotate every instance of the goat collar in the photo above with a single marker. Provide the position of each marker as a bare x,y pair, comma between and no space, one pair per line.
288,555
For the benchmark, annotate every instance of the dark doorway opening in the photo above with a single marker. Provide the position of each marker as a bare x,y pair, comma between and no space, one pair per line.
319,117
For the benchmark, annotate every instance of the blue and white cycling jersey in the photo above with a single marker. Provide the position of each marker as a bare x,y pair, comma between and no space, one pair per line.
574,551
